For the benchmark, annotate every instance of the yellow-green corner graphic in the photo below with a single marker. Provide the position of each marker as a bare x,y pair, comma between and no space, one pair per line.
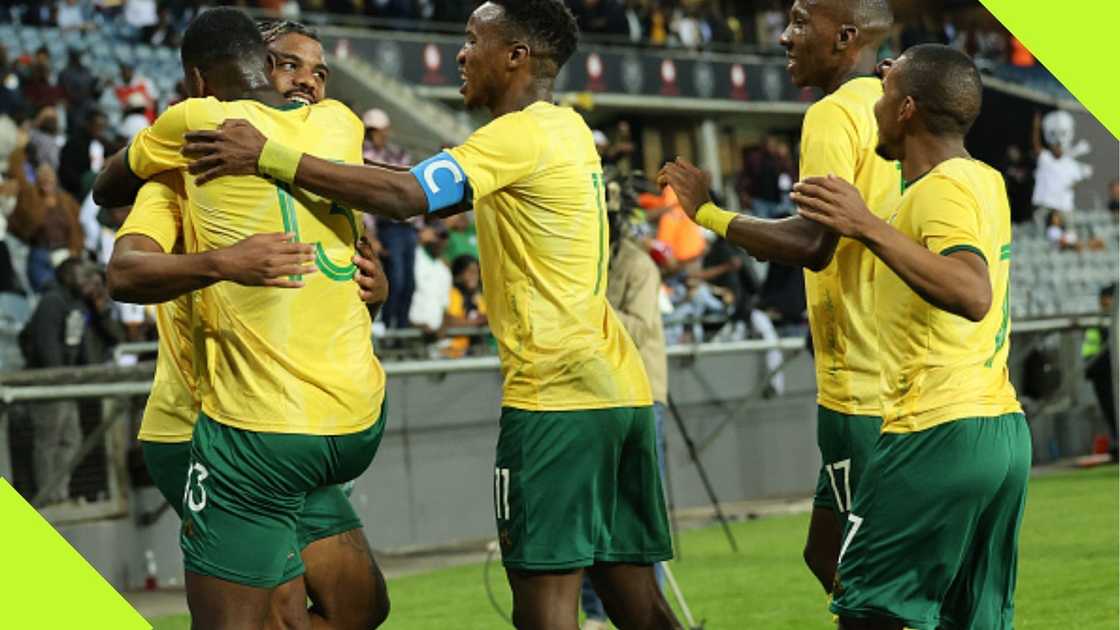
1077,44
46,584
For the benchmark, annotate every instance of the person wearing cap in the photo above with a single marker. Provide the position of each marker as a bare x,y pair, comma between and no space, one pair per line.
135,115
377,147
395,242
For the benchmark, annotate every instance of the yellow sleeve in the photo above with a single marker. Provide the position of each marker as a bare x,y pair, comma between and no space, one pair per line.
157,213
829,143
946,218
499,154
156,149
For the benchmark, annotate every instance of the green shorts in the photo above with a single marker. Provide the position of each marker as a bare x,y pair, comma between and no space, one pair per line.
932,540
575,488
846,443
326,511
249,504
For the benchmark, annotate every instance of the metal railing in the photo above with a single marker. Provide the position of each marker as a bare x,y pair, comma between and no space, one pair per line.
114,383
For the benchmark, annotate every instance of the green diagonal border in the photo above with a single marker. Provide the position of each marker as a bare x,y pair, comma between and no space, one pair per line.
1077,44
46,584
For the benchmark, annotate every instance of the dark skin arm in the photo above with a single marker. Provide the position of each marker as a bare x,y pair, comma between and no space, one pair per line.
373,286
140,271
957,283
235,148
116,185
792,241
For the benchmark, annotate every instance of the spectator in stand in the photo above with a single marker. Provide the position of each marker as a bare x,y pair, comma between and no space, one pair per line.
11,99
25,217
134,83
83,154
432,281
79,86
1114,196
165,32
605,17
1097,354
674,229
378,147
462,240
617,156
39,87
59,236
769,25
767,177
395,241
1063,238
109,9
9,199
75,15
1018,174
142,16
44,137
466,306
1058,170
64,330
135,117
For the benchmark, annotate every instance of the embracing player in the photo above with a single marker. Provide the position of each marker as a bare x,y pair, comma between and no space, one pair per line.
290,400
576,484
831,45
932,538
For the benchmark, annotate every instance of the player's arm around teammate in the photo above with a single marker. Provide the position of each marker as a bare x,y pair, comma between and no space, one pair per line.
956,282
932,538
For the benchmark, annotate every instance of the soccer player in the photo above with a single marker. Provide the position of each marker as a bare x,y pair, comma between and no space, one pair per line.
576,485
932,537
347,587
831,45
291,393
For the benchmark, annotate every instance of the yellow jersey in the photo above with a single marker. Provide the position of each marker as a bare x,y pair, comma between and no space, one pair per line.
538,191
173,405
938,367
276,360
838,137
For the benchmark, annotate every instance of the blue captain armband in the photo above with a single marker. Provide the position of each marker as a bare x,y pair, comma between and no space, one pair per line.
443,181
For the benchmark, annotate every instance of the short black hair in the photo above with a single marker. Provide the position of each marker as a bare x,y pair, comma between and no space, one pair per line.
221,35
946,86
271,30
460,264
875,14
549,27
1108,290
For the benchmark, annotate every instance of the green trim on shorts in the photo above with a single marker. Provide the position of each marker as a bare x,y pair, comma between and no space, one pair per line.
576,488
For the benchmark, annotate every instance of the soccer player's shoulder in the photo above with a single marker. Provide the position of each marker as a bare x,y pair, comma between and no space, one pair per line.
339,112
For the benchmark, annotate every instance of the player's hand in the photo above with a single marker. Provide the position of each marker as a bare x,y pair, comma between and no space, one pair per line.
232,149
834,203
266,260
690,183
373,286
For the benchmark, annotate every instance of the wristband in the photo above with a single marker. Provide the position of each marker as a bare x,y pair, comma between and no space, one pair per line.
715,219
278,161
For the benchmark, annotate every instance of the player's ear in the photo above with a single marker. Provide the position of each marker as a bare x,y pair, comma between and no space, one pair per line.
518,55
846,36
908,109
195,83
